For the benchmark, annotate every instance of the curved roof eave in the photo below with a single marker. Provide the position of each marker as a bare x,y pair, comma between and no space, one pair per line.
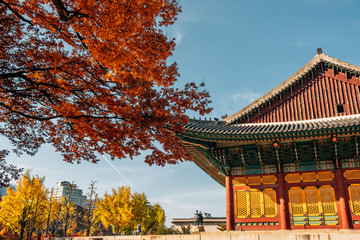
273,128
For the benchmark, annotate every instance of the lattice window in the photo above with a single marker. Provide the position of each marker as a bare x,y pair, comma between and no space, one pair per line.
354,192
312,201
255,203
313,206
270,206
296,199
241,203
328,200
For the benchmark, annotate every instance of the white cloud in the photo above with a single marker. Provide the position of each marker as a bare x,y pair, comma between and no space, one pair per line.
244,97
178,36
299,44
134,169
231,103
39,170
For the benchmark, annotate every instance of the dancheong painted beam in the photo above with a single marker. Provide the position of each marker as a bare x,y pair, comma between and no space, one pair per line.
289,160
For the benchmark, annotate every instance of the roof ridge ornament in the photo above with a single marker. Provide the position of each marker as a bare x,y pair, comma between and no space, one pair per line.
319,51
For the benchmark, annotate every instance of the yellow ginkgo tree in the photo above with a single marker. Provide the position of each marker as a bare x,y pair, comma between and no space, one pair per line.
52,215
22,211
115,209
150,217
66,217
123,212
154,220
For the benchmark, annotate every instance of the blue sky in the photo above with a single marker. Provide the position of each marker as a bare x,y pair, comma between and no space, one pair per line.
241,50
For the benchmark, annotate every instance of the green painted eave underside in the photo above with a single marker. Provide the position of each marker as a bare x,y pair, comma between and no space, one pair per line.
258,157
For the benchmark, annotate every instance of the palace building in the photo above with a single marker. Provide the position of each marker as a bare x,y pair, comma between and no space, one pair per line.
290,159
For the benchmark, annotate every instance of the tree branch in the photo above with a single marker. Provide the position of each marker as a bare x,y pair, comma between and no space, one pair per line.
58,116
132,55
21,75
16,13
16,74
66,15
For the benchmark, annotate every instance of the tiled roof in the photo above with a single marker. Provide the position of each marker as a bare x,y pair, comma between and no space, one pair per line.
220,127
318,58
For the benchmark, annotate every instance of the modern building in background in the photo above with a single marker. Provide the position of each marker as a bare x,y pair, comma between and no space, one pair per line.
290,159
71,191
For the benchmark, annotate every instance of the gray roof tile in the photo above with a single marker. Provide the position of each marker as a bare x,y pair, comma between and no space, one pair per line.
278,127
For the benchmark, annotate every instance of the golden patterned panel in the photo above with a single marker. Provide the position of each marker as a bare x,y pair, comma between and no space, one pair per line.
270,207
325,176
352,174
292,178
269,179
313,206
312,201
239,181
309,177
296,200
255,203
328,200
241,203
256,180
354,192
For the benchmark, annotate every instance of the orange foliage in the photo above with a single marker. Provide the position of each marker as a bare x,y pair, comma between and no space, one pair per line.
91,76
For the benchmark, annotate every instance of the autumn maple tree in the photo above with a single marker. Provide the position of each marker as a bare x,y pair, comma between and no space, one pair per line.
92,77
7,171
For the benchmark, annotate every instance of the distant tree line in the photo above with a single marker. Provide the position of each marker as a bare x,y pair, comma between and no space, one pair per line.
31,211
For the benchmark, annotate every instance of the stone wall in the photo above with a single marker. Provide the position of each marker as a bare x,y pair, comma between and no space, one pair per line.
236,235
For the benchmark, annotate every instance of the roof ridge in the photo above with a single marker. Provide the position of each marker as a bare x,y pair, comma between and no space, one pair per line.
301,121
319,57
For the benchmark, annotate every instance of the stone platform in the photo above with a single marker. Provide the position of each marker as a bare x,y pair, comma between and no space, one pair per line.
236,235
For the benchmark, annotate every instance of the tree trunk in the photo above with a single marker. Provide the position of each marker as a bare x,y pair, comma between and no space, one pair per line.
22,231
39,236
22,226
147,230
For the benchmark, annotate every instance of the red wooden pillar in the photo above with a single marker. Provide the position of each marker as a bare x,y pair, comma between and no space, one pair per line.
283,205
230,217
339,178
